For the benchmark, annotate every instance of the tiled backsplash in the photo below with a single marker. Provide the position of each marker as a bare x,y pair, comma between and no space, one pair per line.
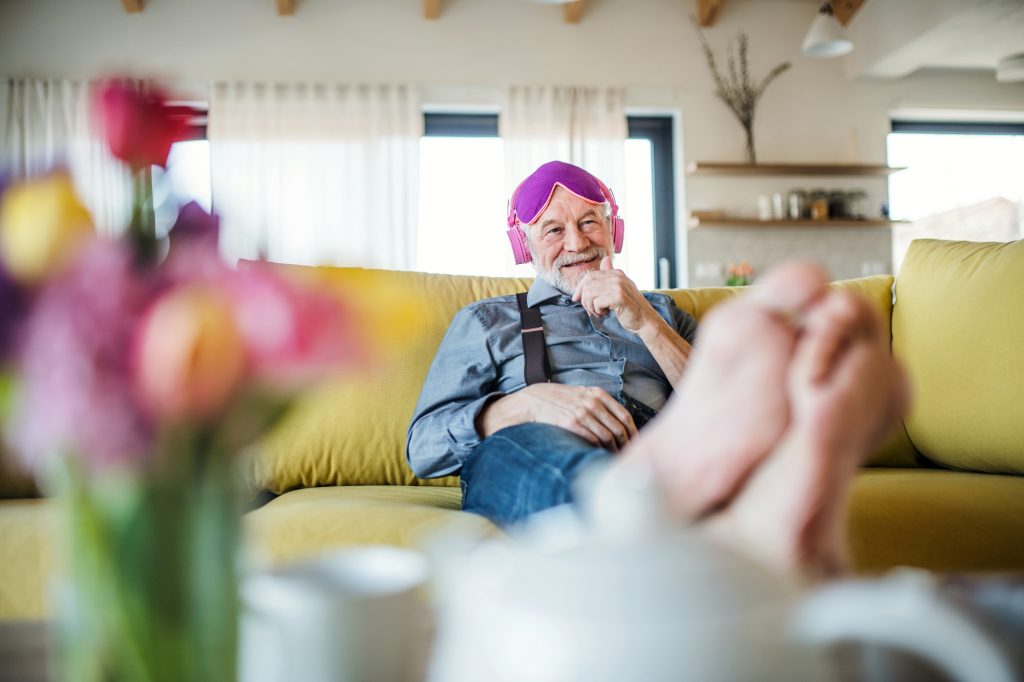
844,252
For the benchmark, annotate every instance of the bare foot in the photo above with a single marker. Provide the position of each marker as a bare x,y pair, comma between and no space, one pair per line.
732,408
846,392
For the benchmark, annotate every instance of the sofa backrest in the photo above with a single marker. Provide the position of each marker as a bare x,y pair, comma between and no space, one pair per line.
958,326
350,430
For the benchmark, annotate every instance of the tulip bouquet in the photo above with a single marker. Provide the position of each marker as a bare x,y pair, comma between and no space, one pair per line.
740,274
134,369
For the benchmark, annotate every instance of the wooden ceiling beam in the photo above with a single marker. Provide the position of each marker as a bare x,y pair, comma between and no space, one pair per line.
431,9
285,8
845,9
132,6
707,11
572,12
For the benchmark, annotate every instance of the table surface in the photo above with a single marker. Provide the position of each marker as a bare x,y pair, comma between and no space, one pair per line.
23,647
996,601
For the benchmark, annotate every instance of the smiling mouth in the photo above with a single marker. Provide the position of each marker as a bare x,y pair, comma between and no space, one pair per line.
578,264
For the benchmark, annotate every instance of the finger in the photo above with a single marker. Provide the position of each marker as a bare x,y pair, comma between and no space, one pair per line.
604,435
600,304
606,263
614,424
620,413
582,287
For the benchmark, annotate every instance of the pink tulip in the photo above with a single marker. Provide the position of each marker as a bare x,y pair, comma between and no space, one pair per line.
136,122
189,354
292,335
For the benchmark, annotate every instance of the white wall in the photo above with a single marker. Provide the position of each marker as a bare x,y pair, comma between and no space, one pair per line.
811,113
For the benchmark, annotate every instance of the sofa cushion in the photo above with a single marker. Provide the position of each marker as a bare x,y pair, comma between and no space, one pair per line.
306,522
351,430
27,554
958,323
947,521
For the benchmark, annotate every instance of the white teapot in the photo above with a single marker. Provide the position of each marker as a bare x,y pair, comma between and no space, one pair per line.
614,592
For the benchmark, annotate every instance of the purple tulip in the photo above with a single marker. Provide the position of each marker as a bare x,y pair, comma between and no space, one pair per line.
195,223
12,308
76,389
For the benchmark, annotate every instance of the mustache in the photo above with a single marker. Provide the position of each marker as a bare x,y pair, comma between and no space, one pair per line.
573,258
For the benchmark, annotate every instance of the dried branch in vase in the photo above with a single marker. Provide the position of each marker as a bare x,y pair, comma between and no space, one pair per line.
736,88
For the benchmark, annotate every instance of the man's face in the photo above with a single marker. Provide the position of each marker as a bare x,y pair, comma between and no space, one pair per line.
569,239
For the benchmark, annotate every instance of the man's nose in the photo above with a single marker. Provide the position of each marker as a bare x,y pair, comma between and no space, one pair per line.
575,240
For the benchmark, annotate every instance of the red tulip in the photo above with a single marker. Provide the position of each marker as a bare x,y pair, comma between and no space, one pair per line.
136,122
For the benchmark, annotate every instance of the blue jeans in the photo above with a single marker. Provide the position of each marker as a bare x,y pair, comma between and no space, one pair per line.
524,469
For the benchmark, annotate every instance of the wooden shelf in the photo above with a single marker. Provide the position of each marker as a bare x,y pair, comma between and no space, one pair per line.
716,168
715,219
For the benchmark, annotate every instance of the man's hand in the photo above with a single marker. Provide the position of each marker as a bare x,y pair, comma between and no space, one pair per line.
609,290
589,412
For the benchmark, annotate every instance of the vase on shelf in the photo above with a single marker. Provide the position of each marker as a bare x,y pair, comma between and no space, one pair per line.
751,153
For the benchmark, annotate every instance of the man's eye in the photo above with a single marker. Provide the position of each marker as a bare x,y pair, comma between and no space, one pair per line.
552,231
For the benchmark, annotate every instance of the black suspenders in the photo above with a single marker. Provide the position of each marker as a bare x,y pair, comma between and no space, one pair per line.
538,371
534,352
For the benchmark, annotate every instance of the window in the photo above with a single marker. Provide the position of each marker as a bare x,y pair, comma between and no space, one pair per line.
461,198
963,181
462,202
186,178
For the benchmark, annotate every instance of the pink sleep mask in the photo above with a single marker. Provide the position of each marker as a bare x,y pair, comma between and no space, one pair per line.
533,195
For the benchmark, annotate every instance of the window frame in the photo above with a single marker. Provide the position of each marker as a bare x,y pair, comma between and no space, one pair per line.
658,130
957,127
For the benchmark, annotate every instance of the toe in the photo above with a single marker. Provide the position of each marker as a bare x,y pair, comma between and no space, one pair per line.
789,289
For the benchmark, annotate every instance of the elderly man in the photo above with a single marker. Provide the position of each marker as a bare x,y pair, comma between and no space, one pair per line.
790,388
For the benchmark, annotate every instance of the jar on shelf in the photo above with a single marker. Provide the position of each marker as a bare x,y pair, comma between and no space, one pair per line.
858,204
837,205
819,204
797,203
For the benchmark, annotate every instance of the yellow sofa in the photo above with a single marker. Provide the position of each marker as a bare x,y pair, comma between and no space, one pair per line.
337,463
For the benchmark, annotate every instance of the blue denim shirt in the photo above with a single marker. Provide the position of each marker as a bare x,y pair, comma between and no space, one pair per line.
481,359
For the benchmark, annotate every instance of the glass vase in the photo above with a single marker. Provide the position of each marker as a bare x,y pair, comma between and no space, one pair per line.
151,584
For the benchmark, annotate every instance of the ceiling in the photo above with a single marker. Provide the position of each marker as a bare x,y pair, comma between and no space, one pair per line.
894,38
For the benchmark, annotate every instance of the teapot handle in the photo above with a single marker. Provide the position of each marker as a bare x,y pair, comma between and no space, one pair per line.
903,611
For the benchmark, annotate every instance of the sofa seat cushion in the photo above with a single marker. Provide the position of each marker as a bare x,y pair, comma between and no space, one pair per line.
26,557
947,521
309,521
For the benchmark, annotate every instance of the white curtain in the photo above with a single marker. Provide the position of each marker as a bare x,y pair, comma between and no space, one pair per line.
316,174
45,123
584,126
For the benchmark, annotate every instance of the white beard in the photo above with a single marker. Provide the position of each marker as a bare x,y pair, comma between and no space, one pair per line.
554,276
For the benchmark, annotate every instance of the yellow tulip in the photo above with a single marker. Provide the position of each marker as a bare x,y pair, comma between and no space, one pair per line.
42,224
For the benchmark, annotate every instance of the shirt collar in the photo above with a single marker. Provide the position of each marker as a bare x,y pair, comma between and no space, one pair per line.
541,291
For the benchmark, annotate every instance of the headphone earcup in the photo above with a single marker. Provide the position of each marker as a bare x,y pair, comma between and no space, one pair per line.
618,232
520,250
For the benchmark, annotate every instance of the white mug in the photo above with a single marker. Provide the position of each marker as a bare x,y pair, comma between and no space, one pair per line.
355,615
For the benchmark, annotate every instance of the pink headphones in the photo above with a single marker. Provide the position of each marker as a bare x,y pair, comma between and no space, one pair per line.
549,176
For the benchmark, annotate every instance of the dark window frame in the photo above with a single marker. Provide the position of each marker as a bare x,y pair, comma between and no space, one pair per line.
656,129
957,128
659,131
460,125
